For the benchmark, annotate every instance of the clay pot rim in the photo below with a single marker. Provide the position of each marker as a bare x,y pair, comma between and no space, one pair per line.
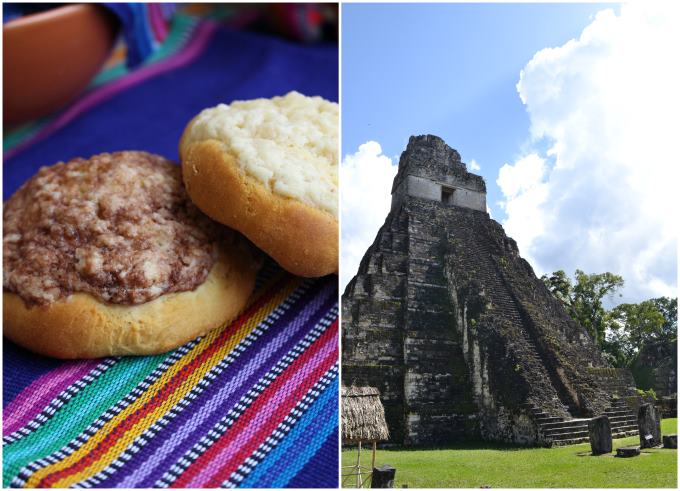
48,15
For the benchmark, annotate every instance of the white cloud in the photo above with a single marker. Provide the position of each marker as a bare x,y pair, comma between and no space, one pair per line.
604,196
522,185
365,182
474,166
521,177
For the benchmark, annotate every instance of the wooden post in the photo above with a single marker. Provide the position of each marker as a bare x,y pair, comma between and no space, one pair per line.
359,483
373,459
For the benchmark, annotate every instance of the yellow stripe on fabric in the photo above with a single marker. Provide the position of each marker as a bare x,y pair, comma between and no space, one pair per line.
169,402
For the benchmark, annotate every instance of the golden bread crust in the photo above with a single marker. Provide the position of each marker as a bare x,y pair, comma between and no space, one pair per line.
80,326
302,239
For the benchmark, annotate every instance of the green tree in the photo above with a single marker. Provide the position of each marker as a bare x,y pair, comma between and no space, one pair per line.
586,301
583,298
631,326
643,322
668,307
559,285
615,346
622,331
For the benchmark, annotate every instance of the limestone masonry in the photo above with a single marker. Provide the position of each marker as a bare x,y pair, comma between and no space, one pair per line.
457,332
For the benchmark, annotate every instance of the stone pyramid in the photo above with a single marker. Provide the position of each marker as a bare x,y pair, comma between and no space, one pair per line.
457,332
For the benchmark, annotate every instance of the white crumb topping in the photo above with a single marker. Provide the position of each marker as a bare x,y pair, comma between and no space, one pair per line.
289,144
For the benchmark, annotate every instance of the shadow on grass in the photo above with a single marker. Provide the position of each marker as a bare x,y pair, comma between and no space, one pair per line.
613,454
464,445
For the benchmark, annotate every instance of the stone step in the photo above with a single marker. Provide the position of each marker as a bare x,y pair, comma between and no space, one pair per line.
624,424
565,424
617,413
559,432
626,428
625,434
621,390
585,439
581,437
567,434
570,441
619,405
544,415
549,419
622,418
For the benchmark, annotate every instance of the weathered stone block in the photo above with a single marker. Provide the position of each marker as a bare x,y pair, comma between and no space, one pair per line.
670,441
649,426
383,477
600,434
632,451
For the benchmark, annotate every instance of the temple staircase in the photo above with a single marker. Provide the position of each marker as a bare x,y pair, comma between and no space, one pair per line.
558,431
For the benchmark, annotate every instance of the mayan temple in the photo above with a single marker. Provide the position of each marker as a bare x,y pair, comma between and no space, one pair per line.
455,330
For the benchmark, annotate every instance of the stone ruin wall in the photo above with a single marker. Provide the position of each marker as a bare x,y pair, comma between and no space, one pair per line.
454,328
420,187
656,368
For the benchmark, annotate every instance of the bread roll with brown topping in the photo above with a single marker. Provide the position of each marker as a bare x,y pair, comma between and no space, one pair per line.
107,256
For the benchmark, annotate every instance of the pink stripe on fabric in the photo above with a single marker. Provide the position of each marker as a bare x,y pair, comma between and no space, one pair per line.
191,51
157,23
40,392
264,413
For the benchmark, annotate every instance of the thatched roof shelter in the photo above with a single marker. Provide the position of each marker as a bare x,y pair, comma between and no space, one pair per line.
363,415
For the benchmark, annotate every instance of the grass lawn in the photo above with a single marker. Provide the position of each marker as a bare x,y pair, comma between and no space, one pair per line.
473,465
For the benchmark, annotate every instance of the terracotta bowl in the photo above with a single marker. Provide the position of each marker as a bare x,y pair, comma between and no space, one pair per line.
51,56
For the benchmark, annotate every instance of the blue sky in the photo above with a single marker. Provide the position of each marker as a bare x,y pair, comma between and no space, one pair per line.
568,111
449,70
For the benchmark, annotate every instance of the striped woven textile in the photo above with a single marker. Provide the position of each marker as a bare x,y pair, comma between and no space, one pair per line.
254,404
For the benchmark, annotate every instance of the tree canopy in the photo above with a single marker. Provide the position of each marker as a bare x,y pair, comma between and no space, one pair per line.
622,331
583,298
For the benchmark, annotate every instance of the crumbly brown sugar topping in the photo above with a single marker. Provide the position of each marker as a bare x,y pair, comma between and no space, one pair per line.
117,226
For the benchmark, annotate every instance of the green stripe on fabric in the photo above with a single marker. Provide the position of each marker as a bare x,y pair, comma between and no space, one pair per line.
181,24
107,75
221,12
79,413
22,133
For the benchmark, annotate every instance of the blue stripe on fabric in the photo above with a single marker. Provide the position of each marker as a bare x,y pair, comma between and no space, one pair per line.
144,36
20,368
134,18
322,470
324,412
